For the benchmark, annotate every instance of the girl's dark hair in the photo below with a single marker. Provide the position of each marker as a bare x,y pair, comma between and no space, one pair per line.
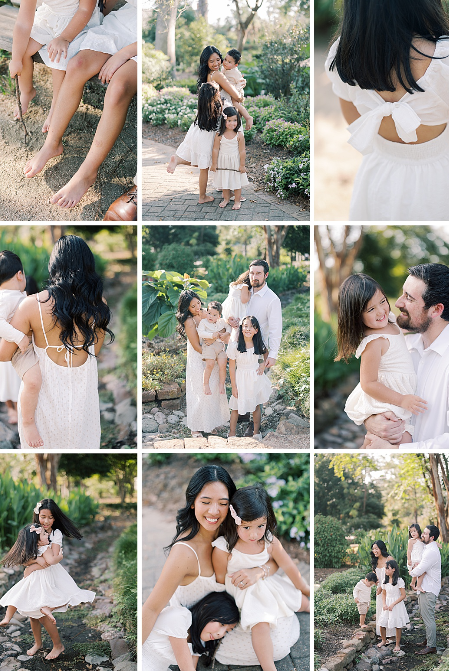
31,286
24,549
376,38
185,518
203,69
185,298
383,551
391,563
243,279
353,297
236,55
259,346
250,503
209,107
61,522
414,526
10,264
215,607
77,294
230,111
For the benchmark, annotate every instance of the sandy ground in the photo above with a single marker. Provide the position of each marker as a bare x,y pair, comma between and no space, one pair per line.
23,199
336,162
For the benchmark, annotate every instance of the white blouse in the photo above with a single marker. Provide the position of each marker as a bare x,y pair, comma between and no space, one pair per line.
430,107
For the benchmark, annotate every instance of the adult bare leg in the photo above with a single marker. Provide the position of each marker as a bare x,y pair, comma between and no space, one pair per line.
119,94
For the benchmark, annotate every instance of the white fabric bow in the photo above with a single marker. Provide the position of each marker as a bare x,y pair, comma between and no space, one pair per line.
365,128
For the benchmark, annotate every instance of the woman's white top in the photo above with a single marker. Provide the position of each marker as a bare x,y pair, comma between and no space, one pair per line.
398,617
189,595
157,652
232,305
430,107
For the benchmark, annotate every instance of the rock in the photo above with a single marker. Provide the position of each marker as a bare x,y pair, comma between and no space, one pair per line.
164,428
148,395
6,445
126,666
169,391
108,416
173,444
172,404
154,410
96,659
125,412
11,629
149,425
119,647
268,411
180,413
159,417
297,420
126,657
288,428
23,658
173,419
6,434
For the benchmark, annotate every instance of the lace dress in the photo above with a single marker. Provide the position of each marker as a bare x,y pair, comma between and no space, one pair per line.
380,572
398,617
228,175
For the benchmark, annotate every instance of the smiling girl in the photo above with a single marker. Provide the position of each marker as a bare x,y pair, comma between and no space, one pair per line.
368,329
228,158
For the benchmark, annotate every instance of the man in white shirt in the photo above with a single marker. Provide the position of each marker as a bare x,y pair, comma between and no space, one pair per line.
424,307
430,565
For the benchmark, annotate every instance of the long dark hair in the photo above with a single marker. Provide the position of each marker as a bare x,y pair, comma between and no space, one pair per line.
230,111
209,107
258,343
418,529
185,518
24,549
383,551
391,563
185,298
250,503
376,38
353,297
203,69
62,522
77,294
214,607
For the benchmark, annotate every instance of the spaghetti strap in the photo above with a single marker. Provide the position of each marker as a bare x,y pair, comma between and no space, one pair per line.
189,546
42,321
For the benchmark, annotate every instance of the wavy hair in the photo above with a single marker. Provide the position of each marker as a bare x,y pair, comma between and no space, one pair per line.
215,607
185,298
24,549
383,551
203,69
77,294
209,108
62,522
242,279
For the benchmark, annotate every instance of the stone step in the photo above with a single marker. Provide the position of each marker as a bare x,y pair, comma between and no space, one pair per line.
216,442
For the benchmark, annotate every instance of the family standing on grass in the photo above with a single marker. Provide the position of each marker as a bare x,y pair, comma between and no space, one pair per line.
226,601
250,323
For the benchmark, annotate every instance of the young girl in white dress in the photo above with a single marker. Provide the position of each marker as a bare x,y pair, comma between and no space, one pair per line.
250,387
236,304
415,549
228,158
249,542
394,614
390,70
367,328
181,635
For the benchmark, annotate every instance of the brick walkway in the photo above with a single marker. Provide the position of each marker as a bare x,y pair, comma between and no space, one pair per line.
175,197
271,441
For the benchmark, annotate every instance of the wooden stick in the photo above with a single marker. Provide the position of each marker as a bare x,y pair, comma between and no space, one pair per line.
19,104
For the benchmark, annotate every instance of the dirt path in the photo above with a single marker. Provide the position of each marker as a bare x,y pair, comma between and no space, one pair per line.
23,199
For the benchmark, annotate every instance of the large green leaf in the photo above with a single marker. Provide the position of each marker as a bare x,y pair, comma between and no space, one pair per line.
149,295
154,312
167,324
173,294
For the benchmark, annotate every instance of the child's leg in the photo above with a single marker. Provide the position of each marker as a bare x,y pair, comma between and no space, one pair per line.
8,615
397,647
244,113
37,633
27,90
174,161
362,619
222,360
237,196
32,381
419,583
263,646
12,412
233,422
226,197
256,420
58,78
54,635
210,363
46,610
406,437
204,198
383,635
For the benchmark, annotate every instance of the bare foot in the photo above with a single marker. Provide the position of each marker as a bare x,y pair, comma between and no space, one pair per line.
71,194
223,203
249,123
12,416
381,644
25,99
4,622
205,199
236,206
221,389
197,434
38,162
47,611
207,390
32,436
32,651
397,648
363,626
46,125
57,650
172,164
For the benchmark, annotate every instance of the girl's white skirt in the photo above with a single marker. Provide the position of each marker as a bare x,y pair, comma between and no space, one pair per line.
403,182
196,147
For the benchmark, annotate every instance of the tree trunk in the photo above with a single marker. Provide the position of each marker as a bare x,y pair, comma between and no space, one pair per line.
165,28
439,498
47,465
54,464
42,468
274,237
203,9
243,25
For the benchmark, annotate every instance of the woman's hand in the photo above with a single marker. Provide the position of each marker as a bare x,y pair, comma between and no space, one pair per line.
56,48
15,68
378,591
246,577
111,66
235,392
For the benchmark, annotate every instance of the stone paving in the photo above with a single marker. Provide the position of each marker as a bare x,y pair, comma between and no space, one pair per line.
175,197
270,441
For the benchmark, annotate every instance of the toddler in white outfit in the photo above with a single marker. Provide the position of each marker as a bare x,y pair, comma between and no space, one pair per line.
362,595
212,328
235,77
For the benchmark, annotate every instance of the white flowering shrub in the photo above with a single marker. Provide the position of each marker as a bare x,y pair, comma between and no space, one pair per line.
288,177
172,106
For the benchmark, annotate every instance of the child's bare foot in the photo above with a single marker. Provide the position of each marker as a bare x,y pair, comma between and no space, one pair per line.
5,622
46,126
197,434
249,123
12,416
397,648
32,651
381,644
71,194
47,611
32,436
205,199
236,206
25,98
363,626
221,389
172,164
55,652
38,162
224,203
207,390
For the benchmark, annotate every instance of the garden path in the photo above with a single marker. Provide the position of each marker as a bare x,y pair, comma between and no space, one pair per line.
174,197
161,535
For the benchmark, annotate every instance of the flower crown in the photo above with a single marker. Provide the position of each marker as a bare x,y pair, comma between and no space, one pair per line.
37,508
237,519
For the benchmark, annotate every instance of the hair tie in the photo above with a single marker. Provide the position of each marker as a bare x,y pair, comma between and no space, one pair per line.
237,519
38,506
224,115
38,530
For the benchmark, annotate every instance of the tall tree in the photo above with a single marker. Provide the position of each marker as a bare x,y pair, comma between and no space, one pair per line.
297,240
274,237
47,467
203,9
165,28
244,24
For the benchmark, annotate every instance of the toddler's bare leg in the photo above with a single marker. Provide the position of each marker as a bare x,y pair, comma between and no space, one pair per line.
174,161
226,197
419,583
222,360
210,363
58,78
244,113
37,633
32,381
263,646
256,420
233,422
238,195
204,198
27,90
406,437
8,615
362,620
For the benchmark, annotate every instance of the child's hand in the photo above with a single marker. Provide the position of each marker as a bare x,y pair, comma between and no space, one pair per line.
235,393
242,168
261,369
15,68
23,344
57,48
213,167
414,404
111,66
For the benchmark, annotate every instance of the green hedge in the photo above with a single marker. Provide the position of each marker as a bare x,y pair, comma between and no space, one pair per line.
289,177
330,542
125,582
127,338
341,583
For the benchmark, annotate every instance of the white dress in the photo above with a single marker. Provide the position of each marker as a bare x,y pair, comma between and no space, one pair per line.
157,652
236,647
196,148
204,413
398,617
68,408
253,389
267,600
9,382
232,305
227,175
380,572
400,182
396,372
417,553
52,587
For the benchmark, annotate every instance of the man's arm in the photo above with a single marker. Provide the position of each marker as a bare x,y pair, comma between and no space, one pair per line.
438,441
426,563
274,316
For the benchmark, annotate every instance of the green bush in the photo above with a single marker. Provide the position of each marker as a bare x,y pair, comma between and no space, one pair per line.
192,37
172,106
156,69
330,542
334,608
250,134
318,639
292,136
176,257
190,83
328,373
125,582
148,258
289,177
295,370
286,278
221,272
280,61
127,338
396,541
34,259
160,369
341,583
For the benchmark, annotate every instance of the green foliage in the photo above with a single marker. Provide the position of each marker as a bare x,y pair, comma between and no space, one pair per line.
156,68
172,106
160,369
326,14
148,257
292,136
280,61
81,508
328,373
190,83
289,177
176,257
250,134
254,82
127,338
396,541
125,582
265,108
330,542
221,458
34,259
191,38
335,609
318,639
295,369
160,295
203,240
341,583
297,239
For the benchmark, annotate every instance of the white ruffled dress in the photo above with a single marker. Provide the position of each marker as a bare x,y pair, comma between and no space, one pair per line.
267,600
157,652
417,553
398,617
253,389
228,175
232,305
396,372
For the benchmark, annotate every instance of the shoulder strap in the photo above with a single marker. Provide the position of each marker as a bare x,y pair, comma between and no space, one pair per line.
194,552
42,321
